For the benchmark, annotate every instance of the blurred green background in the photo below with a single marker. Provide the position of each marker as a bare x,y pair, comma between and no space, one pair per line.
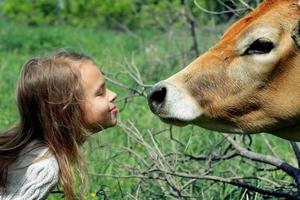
154,37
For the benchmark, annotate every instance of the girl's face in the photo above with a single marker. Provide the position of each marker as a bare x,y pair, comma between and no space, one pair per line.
98,106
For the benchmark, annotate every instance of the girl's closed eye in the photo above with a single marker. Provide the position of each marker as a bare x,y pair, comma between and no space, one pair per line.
101,91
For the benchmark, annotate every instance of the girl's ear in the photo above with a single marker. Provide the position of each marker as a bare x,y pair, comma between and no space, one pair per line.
296,34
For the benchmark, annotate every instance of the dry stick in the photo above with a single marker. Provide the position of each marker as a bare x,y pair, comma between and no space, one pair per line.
131,33
260,168
118,176
163,164
132,197
173,138
192,23
160,162
158,158
236,182
297,154
138,187
296,151
246,5
133,72
213,157
188,183
232,181
127,149
287,168
269,145
162,167
228,7
217,13
122,85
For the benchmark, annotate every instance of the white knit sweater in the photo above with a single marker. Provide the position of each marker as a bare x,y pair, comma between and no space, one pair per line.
32,176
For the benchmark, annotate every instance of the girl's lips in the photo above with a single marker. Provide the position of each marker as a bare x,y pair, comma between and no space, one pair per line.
114,110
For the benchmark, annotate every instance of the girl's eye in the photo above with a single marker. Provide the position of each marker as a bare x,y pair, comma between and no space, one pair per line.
101,92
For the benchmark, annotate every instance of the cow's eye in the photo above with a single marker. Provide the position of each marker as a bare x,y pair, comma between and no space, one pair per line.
260,46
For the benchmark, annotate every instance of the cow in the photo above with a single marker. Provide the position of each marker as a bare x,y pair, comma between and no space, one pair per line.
248,82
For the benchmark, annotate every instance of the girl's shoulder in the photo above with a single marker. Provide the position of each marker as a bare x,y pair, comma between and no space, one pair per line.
34,173
35,154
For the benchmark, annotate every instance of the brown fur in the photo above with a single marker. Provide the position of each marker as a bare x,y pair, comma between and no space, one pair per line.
254,101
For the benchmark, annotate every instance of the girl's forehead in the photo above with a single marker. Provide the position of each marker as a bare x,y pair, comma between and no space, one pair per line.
90,73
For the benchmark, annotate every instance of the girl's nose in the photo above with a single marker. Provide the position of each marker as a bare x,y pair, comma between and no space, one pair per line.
112,96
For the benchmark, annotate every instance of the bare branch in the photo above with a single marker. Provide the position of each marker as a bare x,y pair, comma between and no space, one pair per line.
269,145
246,5
296,151
236,181
218,13
292,171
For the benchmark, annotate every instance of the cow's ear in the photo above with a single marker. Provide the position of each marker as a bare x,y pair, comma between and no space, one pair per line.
296,34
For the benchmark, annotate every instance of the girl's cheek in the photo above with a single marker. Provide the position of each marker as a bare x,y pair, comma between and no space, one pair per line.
101,105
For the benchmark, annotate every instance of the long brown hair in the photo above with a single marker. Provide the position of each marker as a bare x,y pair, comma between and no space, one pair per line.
49,92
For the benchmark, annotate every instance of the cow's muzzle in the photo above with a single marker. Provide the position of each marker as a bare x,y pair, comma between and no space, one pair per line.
170,101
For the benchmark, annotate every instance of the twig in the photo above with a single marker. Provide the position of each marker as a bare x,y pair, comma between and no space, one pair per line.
220,12
173,138
296,151
213,157
235,181
246,5
269,145
292,171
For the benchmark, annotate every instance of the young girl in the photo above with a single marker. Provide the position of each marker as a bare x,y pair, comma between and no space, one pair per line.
61,100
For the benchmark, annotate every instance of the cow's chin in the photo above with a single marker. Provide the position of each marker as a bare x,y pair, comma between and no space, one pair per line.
205,122
174,121
291,132
217,125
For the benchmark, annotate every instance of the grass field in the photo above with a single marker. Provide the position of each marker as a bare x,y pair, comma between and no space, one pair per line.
156,56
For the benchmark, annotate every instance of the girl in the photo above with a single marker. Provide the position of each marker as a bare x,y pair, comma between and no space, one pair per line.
61,100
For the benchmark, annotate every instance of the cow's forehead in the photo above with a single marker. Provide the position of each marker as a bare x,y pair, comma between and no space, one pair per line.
268,10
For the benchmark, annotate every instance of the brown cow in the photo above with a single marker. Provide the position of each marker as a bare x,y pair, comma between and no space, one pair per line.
249,82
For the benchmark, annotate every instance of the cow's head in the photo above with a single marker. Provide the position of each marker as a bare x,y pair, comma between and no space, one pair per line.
249,82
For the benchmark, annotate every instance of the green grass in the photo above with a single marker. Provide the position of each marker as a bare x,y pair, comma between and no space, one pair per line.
156,55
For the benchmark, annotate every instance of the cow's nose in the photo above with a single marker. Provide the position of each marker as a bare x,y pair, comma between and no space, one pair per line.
156,97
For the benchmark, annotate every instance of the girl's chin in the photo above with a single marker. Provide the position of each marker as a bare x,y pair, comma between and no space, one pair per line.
114,122
97,127
111,124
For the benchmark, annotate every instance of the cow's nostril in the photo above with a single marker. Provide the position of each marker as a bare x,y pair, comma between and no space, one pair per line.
156,97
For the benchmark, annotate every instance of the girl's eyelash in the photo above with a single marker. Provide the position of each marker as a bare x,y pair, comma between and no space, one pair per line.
101,92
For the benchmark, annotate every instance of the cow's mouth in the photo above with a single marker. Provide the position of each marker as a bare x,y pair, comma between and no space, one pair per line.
174,121
205,122
289,132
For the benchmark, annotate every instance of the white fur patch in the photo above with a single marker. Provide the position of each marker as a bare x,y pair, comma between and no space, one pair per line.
179,104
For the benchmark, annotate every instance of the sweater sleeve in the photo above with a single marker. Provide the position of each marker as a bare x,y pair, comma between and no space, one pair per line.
38,180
